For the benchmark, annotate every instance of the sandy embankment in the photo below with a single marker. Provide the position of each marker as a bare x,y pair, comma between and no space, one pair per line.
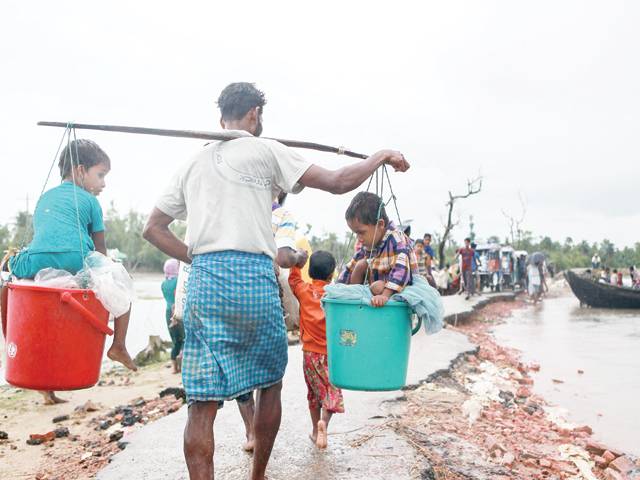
87,447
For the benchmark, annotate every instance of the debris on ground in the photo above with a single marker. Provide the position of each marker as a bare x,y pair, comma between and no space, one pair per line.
177,392
88,407
82,457
482,420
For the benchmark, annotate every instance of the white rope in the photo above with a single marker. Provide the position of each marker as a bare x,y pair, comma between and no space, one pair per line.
75,186
29,225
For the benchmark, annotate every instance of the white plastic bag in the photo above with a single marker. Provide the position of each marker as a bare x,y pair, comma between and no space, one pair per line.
181,290
52,277
111,283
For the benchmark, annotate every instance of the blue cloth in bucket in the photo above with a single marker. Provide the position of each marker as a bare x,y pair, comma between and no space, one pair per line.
423,299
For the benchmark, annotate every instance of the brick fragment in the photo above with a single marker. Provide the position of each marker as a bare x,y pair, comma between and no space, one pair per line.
595,447
584,428
622,464
608,456
610,474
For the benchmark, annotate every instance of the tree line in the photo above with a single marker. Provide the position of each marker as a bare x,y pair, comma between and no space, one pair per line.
124,232
563,255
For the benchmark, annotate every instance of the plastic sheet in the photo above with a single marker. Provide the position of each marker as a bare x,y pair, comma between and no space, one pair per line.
109,280
52,277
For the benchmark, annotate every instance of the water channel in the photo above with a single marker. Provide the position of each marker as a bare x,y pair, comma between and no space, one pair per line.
604,344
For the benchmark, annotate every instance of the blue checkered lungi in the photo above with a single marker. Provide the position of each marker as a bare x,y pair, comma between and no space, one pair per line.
236,339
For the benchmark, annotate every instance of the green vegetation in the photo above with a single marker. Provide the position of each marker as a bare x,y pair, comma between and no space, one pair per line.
124,232
562,255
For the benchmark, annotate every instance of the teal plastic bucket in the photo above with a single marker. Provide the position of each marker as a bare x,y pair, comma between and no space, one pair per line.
368,348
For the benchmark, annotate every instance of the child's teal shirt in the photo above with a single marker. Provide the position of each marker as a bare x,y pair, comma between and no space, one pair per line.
55,223
168,287
57,237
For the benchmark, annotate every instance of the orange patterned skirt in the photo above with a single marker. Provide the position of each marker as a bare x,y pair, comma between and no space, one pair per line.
320,392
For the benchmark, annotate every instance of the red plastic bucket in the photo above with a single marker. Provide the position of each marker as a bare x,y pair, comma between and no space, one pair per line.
55,337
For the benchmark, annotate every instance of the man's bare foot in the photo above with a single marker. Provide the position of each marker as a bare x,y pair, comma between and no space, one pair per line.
120,354
321,441
248,446
313,437
50,398
176,368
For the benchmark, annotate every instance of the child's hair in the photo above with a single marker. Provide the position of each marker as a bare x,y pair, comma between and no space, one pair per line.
467,240
366,208
83,152
321,265
419,241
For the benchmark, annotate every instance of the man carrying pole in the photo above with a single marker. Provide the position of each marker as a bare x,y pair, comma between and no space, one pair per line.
235,336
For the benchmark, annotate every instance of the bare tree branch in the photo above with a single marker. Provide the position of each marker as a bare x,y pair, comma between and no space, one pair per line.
474,186
515,224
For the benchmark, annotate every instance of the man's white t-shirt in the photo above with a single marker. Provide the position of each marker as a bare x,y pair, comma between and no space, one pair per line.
225,194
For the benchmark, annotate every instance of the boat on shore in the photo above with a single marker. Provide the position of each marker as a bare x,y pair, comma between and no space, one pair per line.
601,295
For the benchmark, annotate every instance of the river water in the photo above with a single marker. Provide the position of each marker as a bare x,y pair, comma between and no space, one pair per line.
605,344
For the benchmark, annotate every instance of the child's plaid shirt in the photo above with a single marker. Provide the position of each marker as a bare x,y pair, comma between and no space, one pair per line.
392,261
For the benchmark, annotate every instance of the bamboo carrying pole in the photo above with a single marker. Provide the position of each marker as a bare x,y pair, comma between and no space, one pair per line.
199,134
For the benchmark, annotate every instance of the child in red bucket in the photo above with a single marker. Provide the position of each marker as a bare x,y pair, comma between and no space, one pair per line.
324,399
386,260
68,225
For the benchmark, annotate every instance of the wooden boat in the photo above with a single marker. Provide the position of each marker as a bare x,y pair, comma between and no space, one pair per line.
599,294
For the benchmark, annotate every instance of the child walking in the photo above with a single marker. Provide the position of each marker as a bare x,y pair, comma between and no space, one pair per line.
324,399
68,225
386,259
176,328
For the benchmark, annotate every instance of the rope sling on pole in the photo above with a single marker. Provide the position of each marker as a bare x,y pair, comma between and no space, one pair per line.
224,136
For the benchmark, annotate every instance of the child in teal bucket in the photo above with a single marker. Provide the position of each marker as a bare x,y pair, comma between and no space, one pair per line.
68,225
386,260
176,329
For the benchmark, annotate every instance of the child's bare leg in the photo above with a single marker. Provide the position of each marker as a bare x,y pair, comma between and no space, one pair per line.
315,419
323,424
118,351
179,362
247,412
359,273
377,287
50,397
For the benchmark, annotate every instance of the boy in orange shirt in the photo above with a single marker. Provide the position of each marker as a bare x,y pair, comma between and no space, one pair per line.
324,399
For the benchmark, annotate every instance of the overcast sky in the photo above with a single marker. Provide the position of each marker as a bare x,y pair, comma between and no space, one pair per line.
541,98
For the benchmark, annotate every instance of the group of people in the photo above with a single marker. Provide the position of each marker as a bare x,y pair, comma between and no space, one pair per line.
605,274
232,341
236,339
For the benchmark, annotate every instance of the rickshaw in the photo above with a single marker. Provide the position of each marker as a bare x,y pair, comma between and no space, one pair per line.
489,269
507,261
